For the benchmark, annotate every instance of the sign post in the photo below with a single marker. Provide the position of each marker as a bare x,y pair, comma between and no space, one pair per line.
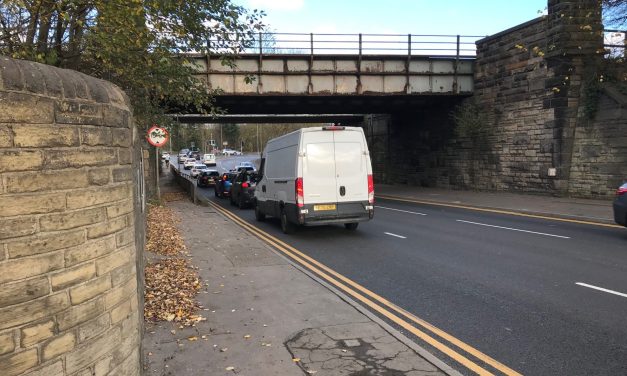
157,137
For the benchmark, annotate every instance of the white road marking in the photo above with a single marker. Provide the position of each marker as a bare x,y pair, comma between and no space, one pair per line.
601,289
399,210
515,229
398,236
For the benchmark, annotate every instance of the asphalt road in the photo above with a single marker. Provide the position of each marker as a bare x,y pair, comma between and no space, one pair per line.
504,285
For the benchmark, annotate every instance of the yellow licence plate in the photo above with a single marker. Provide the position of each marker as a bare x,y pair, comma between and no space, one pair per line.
324,207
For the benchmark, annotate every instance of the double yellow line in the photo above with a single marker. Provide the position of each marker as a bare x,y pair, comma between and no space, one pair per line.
378,303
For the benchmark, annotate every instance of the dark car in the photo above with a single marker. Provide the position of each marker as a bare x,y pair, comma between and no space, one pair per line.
620,205
243,188
223,186
208,178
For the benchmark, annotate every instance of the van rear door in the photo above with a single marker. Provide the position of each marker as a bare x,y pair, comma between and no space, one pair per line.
319,168
350,166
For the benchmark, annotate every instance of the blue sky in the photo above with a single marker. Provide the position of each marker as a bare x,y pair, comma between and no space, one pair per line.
464,17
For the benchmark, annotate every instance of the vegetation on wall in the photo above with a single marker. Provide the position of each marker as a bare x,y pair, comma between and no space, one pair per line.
471,122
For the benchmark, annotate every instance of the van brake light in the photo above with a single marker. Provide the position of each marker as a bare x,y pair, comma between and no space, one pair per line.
621,191
370,189
300,195
333,128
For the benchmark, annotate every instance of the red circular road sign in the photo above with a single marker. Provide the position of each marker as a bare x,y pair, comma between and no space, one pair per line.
157,136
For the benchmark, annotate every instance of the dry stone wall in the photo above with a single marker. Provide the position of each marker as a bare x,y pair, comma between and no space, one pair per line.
68,276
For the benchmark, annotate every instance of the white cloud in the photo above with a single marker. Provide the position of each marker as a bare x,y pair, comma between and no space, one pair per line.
268,5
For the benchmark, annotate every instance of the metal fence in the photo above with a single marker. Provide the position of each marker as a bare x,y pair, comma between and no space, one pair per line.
360,44
381,44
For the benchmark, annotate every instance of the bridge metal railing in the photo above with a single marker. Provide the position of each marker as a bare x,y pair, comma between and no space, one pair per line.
459,46
359,44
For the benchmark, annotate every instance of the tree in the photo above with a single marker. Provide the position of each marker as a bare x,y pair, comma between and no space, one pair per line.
137,44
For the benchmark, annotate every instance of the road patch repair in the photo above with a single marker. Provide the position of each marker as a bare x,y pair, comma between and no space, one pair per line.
262,316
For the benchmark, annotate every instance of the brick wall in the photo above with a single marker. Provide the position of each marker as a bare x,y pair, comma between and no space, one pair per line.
68,275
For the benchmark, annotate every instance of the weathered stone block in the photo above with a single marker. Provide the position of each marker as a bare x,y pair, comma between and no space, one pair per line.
75,112
33,79
122,137
90,289
7,343
14,227
39,332
32,311
119,294
125,237
58,346
116,117
58,159
103,367
20,160
120,209
93,350
25,108
44,181
106,228
54,369
94,136
122,174
72,276
114,260
99,176
89,251
43,244
122,274
18,363
94,327
10,74
125,156
13,270
70,220
79,314
86,198
6,136
31,204
23,291
97,89
120,312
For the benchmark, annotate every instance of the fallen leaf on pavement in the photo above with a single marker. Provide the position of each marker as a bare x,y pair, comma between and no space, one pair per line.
229,368
192,338
296,360
247,336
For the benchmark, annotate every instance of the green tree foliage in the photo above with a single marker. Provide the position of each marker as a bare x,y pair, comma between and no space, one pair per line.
230,133
136,44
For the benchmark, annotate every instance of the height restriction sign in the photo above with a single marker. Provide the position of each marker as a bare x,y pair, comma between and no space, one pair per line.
157,136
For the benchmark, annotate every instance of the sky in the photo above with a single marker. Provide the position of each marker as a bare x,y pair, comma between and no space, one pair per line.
463,17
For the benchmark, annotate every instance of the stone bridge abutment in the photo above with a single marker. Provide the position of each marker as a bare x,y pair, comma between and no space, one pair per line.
70,225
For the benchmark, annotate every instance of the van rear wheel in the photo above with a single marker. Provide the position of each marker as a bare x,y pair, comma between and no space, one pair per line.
259,216
351,226
286,226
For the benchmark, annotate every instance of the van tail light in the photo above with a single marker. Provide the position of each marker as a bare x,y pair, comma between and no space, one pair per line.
621,191
244,185
300,194
370,189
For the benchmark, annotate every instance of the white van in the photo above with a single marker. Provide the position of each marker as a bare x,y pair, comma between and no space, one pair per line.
209,159
318,175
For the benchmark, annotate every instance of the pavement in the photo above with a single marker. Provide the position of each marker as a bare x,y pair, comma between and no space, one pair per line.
266,316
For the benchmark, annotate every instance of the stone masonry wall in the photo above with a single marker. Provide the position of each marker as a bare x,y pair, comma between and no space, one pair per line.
599,160
68,276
